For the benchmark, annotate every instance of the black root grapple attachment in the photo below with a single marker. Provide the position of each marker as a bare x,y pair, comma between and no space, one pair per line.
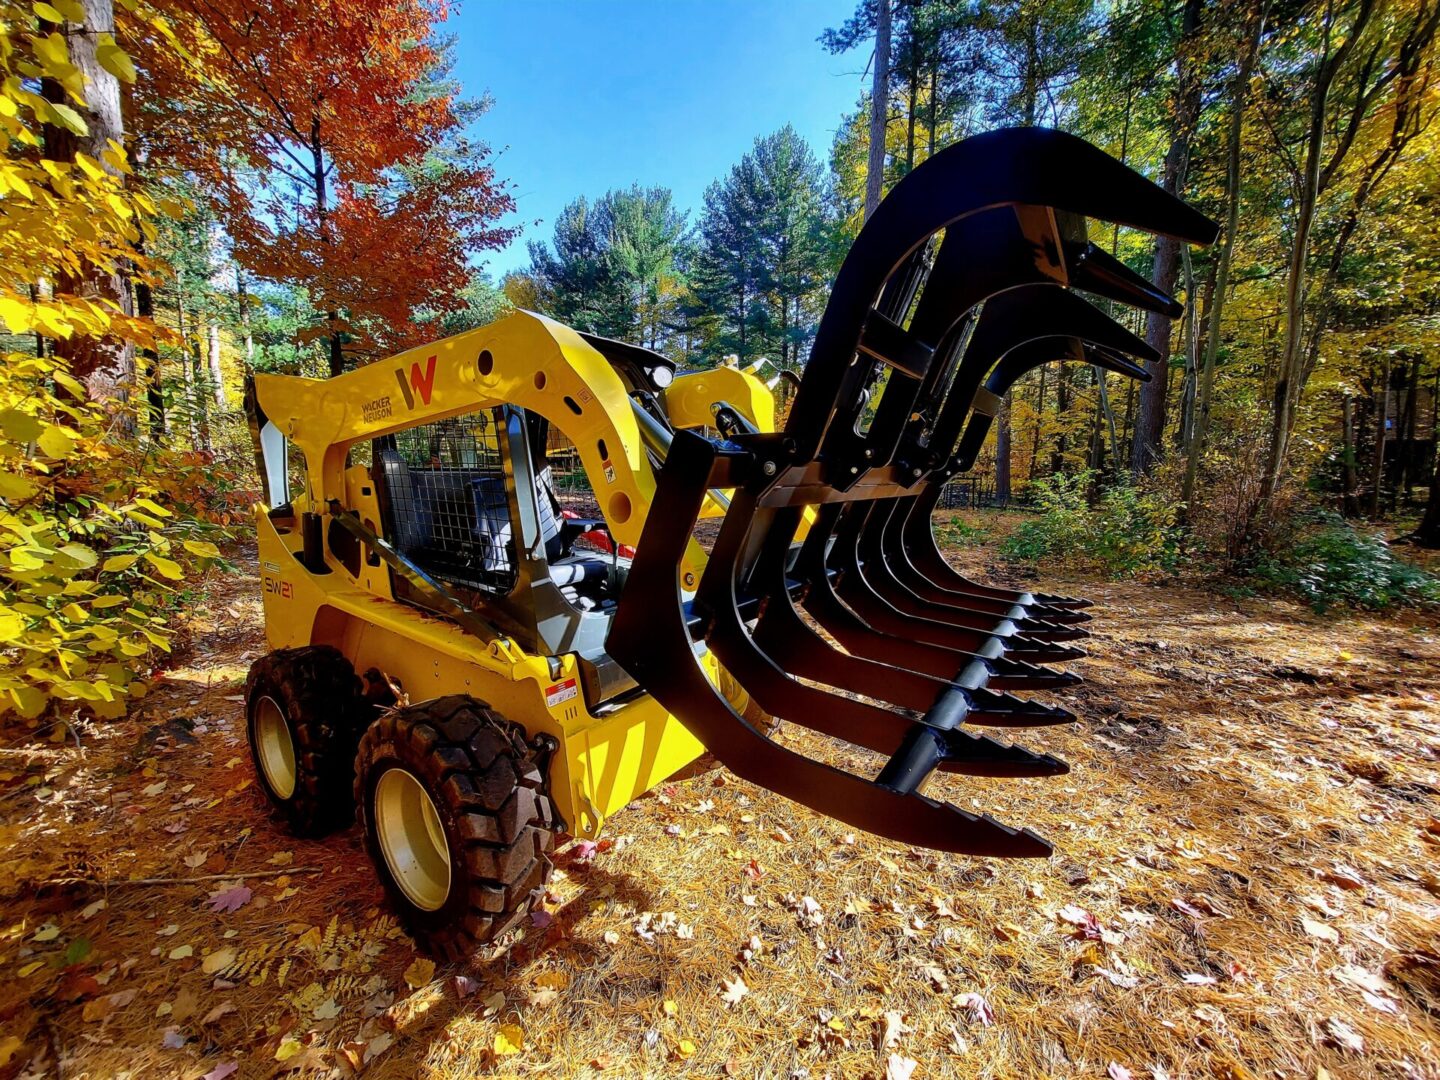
847,619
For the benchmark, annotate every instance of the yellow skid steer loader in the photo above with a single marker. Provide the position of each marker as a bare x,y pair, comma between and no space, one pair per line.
493,621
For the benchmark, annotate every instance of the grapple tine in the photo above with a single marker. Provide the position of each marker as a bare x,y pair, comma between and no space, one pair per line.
978,755
1012,673
994,709
1074,603
1096,270
1040,630
1042,652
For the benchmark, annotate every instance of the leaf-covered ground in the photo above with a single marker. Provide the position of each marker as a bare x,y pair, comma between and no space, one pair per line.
1245,885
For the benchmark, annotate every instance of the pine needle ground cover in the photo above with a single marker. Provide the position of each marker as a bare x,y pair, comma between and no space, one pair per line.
1246,884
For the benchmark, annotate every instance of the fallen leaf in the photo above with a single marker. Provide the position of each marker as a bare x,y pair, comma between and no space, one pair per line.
895,1026
1086,924
181,952
685,1048
735,990
1344,1036
980,1011
541,997
223,1071
510,1039
196,860
172,1039
494,1003
89,911
288,1048
231,899
610,937
1343,876
1317,929
1116,1071
225,1008
419,973
328,1009
584,850
217,961
48,932
1199,980
9,1047
100,1008
1187,908
899,1067
377,1046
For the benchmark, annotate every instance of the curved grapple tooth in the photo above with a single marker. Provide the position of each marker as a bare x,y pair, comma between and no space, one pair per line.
1056,600
990,708
1043,630
978,755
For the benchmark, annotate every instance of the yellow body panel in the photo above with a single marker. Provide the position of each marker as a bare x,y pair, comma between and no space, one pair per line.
605,761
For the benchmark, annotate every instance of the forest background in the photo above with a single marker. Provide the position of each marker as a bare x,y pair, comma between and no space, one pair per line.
198,188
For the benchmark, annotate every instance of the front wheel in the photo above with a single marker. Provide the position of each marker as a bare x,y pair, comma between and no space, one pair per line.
303,713
457,821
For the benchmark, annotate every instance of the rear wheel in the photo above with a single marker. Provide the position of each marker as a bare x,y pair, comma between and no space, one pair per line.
457,821
303,713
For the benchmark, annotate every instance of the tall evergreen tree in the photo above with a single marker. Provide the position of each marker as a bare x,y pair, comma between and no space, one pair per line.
617,267
762,263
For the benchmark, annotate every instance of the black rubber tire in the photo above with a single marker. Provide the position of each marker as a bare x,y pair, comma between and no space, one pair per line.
486,784
319,694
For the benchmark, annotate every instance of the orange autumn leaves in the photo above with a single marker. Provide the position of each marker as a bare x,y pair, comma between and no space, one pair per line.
330,142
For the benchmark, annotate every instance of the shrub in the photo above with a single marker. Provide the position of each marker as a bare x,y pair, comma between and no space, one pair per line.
1330,562
1127,531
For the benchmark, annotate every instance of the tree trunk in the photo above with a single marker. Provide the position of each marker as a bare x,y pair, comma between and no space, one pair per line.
1382,414
154,392
1348,506
242,297
1039,423
1062,405
1239,98
1406,433
186,371
1309,185
1002,453
1101,384
217,379
1150,419
105,365
879,110
1428,535
1188,387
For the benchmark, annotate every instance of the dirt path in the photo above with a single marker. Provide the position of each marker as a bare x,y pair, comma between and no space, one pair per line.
1245,884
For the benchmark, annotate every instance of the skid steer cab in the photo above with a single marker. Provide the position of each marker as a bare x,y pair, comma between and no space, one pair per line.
492,622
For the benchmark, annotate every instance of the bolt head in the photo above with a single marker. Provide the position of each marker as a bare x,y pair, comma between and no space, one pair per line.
768,468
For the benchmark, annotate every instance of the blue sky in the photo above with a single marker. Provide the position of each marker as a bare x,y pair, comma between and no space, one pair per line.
596,94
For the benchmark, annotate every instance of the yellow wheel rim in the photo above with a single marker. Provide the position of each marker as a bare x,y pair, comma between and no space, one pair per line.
412,839
274,747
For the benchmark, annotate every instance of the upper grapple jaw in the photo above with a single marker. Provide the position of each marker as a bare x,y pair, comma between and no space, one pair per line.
918,651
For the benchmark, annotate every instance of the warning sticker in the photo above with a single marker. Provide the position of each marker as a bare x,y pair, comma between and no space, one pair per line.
609,472
561,691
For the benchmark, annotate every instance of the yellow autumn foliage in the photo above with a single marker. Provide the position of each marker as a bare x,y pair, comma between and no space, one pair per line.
97,532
